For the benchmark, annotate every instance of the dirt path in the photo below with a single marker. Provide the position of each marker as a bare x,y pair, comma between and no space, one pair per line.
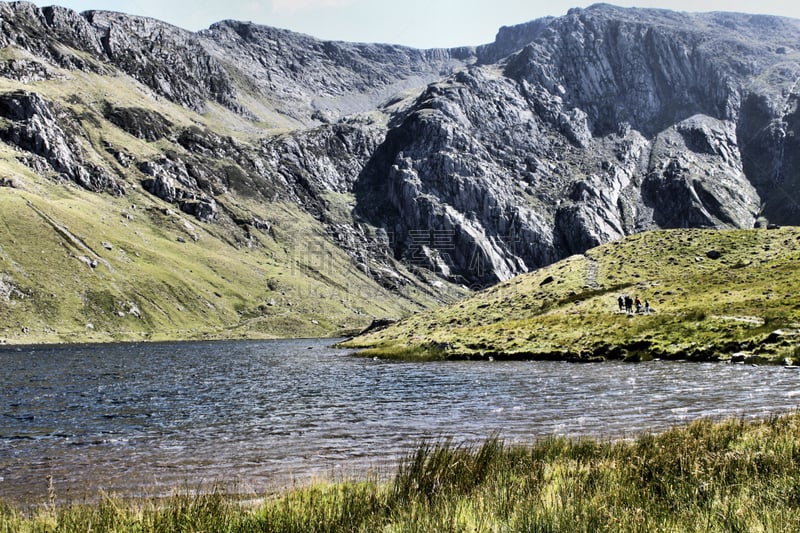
592,270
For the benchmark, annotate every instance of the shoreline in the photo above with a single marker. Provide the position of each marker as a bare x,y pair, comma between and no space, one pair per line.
683,478
376,471
628,353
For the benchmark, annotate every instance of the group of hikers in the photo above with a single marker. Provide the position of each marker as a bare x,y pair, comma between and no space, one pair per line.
627,304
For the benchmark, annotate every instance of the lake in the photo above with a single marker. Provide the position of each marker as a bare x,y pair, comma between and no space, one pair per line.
254,416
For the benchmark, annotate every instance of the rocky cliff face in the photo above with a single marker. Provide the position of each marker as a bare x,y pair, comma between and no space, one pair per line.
473,164
573,131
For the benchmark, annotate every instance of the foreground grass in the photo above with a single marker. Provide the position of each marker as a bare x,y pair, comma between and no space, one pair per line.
725,476
717,295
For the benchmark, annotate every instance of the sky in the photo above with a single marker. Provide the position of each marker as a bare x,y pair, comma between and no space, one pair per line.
416,23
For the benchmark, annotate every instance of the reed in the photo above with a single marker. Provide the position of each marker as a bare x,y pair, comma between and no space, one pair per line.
732,475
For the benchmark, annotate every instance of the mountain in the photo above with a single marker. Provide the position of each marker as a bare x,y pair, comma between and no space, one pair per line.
250,181
571,132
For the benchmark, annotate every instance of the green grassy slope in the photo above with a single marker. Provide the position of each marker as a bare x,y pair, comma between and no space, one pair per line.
744,305
160,273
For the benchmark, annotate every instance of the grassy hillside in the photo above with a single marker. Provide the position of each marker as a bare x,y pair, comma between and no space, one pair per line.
76,266
79,266
716,295
159,274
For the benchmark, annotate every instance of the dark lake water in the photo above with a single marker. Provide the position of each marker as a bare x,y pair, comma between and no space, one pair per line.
148,419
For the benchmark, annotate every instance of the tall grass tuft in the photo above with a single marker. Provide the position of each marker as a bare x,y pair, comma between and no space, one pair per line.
443,469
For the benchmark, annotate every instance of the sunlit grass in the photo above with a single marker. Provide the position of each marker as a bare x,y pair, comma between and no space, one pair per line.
704,308
162,275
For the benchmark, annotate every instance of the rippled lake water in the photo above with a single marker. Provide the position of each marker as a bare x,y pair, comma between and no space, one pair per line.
148,419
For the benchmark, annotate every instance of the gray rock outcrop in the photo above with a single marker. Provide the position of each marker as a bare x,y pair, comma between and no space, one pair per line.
48,135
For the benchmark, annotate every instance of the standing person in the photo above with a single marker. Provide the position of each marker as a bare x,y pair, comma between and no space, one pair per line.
621,303
638,303
628,304
647,307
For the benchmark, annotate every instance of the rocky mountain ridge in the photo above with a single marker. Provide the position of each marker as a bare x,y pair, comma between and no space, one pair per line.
608,122
428,170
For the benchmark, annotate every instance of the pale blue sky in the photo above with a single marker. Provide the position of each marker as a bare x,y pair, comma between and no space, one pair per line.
418,23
